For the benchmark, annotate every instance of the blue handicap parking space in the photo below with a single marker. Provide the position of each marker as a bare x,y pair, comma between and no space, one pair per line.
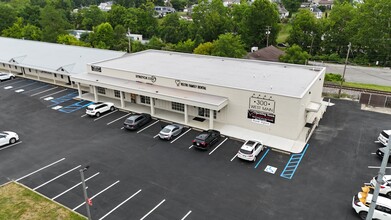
292,164
75,106
263,156
63,98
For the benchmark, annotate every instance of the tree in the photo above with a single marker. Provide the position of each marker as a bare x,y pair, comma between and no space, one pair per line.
254,22
204,49
306,31
211,19
31,15
292,5
169,29
31,32
138,46
53,22
103,36
146,24
185,46
295,54
92,16
117,15
179,5
15,31
120,40
155,43
7,16
372,28
70,40
228,45
337,34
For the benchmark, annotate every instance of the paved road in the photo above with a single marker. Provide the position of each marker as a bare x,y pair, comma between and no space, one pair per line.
359,74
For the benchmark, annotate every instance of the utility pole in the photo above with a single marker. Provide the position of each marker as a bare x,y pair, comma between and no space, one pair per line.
268,29
344,70
85,191
379,179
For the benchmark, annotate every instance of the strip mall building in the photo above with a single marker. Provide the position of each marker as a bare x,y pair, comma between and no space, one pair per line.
280,104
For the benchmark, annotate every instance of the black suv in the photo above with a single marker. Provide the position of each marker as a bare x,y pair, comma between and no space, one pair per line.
136,121
206,139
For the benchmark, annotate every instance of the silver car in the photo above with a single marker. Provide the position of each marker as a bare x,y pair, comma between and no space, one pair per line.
170,131
6,76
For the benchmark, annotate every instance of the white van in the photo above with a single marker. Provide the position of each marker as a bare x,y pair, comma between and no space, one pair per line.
383,137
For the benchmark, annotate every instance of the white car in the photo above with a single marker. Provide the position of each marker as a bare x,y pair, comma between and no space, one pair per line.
99,108
8,137
385,187
383,137
361,206
250,150
6,76
170,131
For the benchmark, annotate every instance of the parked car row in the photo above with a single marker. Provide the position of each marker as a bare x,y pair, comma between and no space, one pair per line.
362,201
204,140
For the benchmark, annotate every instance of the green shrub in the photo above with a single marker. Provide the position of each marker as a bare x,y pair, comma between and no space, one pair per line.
332,77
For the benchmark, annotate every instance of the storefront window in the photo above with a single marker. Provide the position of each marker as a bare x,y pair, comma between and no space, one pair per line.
145,99
205,112
101,90
177,106
117,94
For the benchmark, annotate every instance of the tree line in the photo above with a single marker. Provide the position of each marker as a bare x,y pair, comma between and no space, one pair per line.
212,30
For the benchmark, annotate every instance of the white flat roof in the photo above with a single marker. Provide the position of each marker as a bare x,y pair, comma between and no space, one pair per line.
50,56
257,76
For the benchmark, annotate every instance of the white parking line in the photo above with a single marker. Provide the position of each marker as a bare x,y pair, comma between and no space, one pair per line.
8,87
120,205
191,146
234,157
376,167
180,136
186,215
74,186
43,184
218,146
11,145
122,128
155,136
147,126
40,169
25,85
44,91
53,93
96,119
96,195
17,81
373,153
118,119
153,209
37,88
83,116
19,90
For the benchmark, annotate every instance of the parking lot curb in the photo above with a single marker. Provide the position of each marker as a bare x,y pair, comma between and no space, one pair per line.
280,151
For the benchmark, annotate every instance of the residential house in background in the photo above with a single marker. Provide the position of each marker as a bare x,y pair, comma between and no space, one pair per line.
317,12
270,53
105,6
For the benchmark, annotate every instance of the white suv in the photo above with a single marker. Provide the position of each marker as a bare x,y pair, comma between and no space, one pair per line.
99,108
383,137
361,205
385,187
6,76
250,150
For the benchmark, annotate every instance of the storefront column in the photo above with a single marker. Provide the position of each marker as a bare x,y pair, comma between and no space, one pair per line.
210,119
95,94
39,77
152,106
186,116
79,89
121,96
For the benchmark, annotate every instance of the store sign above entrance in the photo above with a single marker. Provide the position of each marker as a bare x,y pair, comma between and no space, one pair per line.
151,78
179,83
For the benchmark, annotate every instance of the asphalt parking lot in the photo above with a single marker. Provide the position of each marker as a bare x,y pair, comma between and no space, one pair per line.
134,175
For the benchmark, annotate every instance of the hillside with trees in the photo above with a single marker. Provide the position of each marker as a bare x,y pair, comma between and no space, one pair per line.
211,28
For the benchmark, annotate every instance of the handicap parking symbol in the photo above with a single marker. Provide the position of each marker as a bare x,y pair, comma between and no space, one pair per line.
270,169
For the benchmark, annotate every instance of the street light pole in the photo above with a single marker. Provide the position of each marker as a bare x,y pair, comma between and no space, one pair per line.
85,191
379,179
129,41
344,70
